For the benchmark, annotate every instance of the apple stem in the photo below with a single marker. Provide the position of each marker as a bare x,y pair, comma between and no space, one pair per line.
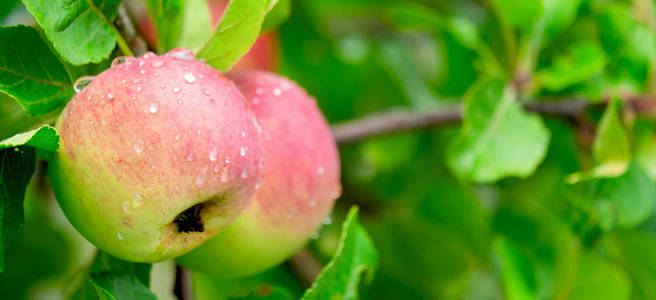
183,288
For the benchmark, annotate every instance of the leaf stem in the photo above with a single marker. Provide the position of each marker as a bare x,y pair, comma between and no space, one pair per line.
122,44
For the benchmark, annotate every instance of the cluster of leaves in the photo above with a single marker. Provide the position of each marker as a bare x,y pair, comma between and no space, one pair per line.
38,67
507,204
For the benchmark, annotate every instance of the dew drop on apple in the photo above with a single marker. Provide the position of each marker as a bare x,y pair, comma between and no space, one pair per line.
148,54
177,137
224,175
321,170
181,53
213,154
137,199
176,90
110,95
206,92
153,107
242,151
82,82
216,168
157,63
327,220
313,202
138,89
190,157
139,146
227,160
259,91
118,60
120,236
189,78
162,85
277,92
244,174
142,63
315,236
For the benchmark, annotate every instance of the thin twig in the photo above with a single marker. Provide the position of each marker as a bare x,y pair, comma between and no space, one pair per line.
399,120
305,266
129,32
183,287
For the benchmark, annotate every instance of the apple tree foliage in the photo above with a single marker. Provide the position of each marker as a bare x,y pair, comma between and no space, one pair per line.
509,203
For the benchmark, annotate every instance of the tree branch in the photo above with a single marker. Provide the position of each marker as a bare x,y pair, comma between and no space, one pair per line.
399,120
129,32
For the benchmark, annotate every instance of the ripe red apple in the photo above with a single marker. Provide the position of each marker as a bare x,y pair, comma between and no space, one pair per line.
300,182
157,154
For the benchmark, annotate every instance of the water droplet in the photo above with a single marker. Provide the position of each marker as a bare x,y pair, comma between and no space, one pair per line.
89,97
139,146
244,173
110,96
157,63
137,80
189,78
180,101
213,154
137,198
149,54
216,169
256,101
243,134
125,206
142,72
321,170
224,175
153,107
227,160
176,90
141,64
198,132
120,236
138,89
242,151
313,202
206,92
82,82
201,76
277,92
162,85
314,236
327,220
103,122
258,185
190,157
181,53
124,81
118,60
259,91
200,181
177,137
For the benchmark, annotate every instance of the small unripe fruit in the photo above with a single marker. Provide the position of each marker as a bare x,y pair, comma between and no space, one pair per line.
157,154
300,182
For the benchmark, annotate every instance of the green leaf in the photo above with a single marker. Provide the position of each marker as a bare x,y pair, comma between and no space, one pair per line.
17,163
645,147
239,27
497,138
355,255
6,7
558,15
580,61
107,271
631,196
519,14
275,282
519,276
637,255
598,280
30,72
610,150
168,18
80,30
278,15
196,28
44,137
114,285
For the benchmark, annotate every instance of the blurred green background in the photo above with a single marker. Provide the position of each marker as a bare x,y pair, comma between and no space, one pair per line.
440,235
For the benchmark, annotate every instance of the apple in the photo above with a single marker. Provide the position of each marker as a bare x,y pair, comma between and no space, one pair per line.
300,182
157,154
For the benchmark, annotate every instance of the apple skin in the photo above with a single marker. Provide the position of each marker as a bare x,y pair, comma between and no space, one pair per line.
300,182
146,140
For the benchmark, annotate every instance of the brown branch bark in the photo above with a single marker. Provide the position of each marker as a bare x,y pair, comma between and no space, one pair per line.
399,120
131,35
